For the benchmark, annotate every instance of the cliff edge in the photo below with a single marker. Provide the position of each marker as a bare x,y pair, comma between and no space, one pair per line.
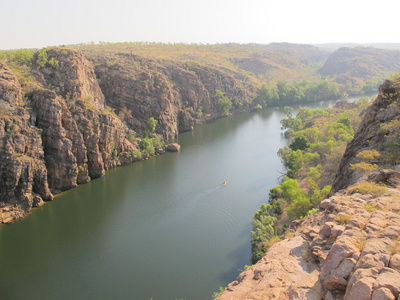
349,248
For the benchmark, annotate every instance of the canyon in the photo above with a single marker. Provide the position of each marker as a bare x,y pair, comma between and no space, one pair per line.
349,248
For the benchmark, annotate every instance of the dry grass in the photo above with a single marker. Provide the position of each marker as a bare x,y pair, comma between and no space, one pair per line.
368,188
360,243
290,235
343,218
269,243
395,246
369,207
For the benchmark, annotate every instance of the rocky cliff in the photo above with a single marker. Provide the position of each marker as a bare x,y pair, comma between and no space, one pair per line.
56,136
349,248
177,94
66,119
377,131
23,172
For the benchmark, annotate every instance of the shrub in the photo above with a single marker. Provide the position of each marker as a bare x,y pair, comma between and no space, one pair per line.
217,294
150,126
42,58
369,207
224,104
364,167
343,218
137,154
147,146
368,188
299,208
131,136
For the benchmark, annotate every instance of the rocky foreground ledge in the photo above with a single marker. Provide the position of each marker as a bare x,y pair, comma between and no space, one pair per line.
349,249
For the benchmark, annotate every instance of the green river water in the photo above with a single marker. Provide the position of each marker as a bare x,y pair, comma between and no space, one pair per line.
165,228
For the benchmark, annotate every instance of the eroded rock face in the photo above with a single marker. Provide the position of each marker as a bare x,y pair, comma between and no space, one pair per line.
23,174
285,272
10,89
64,130
60,161
64,138
369,135
177,95
70,75
350,251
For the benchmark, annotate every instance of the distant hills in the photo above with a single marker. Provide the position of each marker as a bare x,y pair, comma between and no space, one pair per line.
330,47
357,68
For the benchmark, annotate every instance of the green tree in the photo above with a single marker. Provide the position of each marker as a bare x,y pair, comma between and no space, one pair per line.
42,58
224,104
150,126
146,144
300,143
346,121
299,208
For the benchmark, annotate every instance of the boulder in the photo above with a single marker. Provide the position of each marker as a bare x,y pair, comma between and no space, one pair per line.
173,147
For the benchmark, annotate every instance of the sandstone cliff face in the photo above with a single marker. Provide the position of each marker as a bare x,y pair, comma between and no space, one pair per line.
370,134
85,137
23,174
349,249
63,137
10,89
69,74
64,131
177,95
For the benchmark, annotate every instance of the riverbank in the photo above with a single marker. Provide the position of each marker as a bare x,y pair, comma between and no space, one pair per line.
349,247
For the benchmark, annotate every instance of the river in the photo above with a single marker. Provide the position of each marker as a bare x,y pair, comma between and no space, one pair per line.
165,228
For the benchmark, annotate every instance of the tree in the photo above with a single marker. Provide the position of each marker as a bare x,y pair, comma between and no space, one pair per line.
300,143
299,208
150,126
42,58
346,121
224,104
147,146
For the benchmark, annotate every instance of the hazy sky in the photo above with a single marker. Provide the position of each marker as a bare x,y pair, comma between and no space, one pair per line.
41,23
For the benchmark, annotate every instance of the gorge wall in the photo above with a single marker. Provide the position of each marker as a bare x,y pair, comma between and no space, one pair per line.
349,248
71,119
69,115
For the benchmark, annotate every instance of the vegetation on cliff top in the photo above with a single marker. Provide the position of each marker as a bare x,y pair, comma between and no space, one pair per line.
271,68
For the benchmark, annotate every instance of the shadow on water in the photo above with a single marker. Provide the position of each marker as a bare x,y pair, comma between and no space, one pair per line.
237,256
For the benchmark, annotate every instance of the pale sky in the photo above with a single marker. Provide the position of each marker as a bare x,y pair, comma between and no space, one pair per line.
41,23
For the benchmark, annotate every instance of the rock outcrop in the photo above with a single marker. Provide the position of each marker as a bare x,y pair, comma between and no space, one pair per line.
173,147
371,135
349,249
72,118
178,95
56,136
23,173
